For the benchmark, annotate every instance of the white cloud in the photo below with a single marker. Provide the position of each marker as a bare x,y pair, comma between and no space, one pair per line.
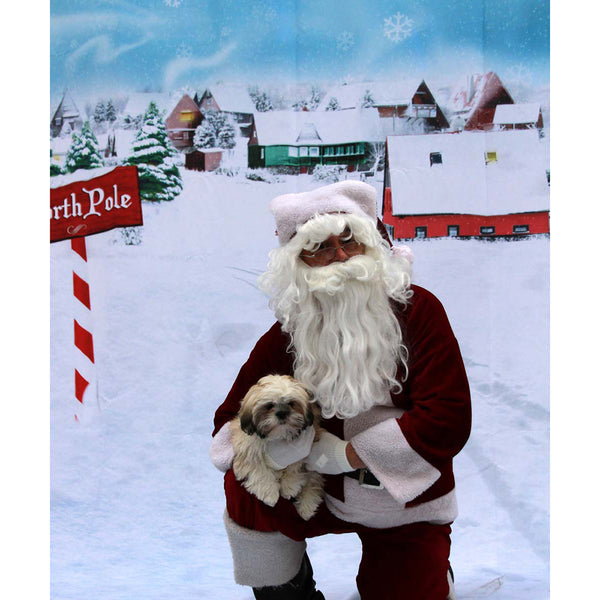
186,63
104,50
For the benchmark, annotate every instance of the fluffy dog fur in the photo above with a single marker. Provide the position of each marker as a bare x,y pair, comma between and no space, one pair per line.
277,407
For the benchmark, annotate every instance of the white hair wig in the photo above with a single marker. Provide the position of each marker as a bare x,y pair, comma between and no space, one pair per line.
346,338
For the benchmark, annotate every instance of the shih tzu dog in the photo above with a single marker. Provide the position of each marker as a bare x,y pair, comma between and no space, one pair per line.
277,407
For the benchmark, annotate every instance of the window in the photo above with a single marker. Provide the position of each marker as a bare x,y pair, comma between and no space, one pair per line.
420,232
313,151
262,152
293,151
491,157
487,230
452,230
520,228
303,151
186,115
435,158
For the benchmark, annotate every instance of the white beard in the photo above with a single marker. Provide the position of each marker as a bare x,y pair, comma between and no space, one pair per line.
346,338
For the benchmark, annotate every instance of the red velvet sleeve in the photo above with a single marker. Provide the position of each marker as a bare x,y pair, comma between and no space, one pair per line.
438,421
268,357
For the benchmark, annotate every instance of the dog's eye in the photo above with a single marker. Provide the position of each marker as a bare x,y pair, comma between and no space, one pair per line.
291,404
269,405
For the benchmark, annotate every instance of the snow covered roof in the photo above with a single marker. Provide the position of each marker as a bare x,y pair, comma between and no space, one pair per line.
463,183
466,94
516,113
231,97
384,93
137,103
285,127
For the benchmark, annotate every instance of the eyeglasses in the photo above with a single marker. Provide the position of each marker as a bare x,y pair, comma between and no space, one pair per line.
328,253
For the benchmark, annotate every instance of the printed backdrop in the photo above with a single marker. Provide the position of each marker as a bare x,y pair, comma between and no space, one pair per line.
442,107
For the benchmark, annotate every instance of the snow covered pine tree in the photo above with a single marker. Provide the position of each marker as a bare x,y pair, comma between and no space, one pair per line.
152,153
84,152
216,131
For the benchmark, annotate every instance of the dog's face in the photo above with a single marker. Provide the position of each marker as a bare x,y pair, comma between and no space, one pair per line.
277,407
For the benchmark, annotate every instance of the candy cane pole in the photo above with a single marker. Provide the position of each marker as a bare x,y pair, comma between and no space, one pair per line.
86,387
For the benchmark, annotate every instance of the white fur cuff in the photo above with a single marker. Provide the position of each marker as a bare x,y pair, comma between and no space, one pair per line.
221,449
401,470
262,558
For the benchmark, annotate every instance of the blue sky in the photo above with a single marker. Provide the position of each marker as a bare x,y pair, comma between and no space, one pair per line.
136,45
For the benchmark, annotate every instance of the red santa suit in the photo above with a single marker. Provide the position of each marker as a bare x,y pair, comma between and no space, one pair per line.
407,440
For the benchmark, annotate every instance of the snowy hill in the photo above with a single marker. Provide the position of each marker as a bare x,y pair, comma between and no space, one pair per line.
136,505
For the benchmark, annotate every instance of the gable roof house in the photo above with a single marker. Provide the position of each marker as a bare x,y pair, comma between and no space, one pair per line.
182,122
66,118
305,139
405,106
466,185
518,116
473,102
229,98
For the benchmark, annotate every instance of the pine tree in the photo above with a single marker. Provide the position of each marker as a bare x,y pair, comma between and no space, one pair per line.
367,100
110,112
216,131
315,98
54,168
99,115
152,153
261,100
333,104
84,152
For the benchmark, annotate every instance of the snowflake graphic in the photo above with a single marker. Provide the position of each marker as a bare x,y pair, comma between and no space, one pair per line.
345,41
398,27
519,74
183,51
173,3
226,31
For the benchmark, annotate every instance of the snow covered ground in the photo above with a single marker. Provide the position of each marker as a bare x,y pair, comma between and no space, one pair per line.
136,505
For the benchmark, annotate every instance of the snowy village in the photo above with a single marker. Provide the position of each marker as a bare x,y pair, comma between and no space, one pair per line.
441,176
219,108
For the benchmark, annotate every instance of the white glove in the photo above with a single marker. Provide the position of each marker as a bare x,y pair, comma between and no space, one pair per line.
282,453
328,455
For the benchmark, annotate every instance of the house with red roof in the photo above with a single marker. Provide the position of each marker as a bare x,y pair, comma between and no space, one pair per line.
473,101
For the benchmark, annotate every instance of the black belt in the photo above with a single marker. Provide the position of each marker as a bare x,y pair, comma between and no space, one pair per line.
365,478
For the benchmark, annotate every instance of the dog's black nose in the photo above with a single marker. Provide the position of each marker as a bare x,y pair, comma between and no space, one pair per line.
282,412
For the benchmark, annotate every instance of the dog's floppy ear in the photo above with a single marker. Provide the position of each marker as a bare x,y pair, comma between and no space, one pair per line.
246,422
309,418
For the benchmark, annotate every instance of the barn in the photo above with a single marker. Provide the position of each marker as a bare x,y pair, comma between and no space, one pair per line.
305,139
466,185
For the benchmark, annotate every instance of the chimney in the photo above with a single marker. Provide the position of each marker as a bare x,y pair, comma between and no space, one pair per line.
470,88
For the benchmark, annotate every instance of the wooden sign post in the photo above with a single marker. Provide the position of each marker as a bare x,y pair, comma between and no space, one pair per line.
77,210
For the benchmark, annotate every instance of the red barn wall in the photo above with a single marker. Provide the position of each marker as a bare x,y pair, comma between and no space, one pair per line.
469,225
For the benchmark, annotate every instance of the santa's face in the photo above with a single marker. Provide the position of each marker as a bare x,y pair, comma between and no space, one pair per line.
336,248
331,292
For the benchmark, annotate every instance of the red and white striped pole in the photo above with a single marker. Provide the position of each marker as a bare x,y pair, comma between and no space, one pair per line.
86,387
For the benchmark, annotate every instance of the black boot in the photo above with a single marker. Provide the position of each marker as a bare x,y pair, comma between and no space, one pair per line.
301,587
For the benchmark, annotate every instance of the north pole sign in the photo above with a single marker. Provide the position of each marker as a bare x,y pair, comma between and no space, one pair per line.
86,207
78,210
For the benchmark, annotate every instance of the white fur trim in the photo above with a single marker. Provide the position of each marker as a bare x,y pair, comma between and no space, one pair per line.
403,251
387,453
221,449
262,558
377,509
293,210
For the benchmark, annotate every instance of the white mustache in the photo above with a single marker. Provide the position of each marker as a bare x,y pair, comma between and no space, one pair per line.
332,278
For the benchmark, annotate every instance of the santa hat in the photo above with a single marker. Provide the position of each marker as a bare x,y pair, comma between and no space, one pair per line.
291,211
